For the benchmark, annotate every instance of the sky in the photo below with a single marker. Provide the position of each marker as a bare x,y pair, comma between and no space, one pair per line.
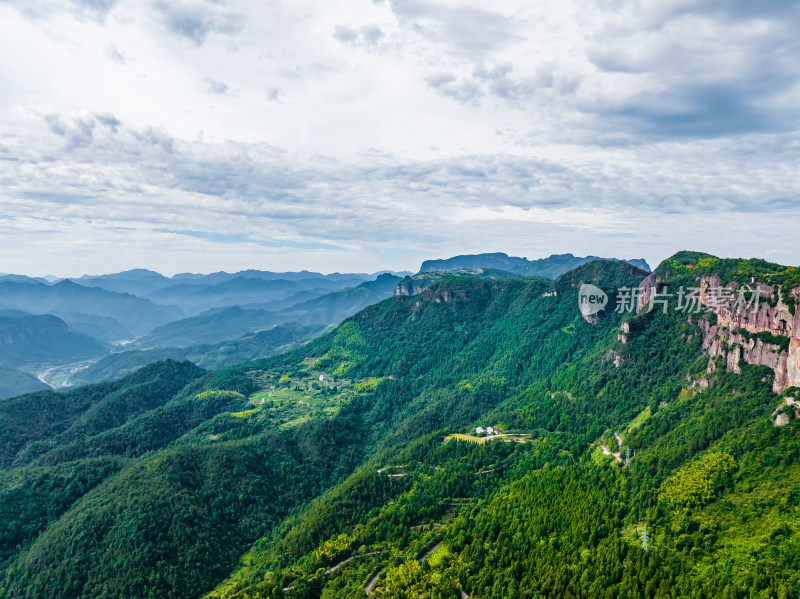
357,136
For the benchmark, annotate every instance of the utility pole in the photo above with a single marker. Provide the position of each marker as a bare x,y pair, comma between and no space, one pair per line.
645,538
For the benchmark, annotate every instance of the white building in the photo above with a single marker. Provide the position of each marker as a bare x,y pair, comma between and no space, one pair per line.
490,430
479,430
322,377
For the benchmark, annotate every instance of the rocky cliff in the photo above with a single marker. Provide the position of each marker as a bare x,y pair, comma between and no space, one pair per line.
423,280
409,286
762,332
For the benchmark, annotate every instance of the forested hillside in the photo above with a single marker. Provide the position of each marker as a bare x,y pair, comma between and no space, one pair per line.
629,459
213,357
29,339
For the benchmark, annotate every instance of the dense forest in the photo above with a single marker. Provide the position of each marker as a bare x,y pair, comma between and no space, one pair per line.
623,465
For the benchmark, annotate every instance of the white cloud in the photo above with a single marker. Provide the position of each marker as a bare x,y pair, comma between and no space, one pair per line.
373,134
115,54
215,87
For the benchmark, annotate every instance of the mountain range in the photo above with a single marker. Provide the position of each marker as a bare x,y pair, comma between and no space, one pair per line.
212,356
69,322
68,300
144,310
550,268
647,450
43,339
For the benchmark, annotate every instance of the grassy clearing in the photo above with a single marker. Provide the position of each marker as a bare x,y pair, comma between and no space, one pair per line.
295,422
436,558
512,438
467,438
289,395
639,420
507,438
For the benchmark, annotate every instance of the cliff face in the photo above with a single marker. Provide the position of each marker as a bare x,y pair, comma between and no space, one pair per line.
725,337
409,286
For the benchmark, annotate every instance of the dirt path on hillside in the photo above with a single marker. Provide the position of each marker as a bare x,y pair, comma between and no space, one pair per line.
607,451
371,582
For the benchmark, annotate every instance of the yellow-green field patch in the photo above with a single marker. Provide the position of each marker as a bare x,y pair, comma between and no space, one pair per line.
245,413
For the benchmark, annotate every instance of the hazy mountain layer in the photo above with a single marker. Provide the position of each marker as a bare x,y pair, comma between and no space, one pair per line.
217,325
134,313
220,355
550,268
14,382
30,340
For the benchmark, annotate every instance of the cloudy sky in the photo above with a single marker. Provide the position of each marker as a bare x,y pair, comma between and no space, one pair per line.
358,135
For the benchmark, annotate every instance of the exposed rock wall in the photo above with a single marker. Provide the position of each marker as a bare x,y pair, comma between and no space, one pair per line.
409,286
647,289
625,330
723,339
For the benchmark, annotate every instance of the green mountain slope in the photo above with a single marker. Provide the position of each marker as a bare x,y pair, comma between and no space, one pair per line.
414,284
351,465
212,357
14,382
28,339
223,324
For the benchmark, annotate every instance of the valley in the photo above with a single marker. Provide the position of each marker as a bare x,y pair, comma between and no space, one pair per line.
61,376
393,299
349,465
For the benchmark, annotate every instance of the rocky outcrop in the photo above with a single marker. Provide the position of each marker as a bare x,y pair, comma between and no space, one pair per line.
647,289
612,355
759,316
625,330
793,359
440,295
756,308
409,286
786,409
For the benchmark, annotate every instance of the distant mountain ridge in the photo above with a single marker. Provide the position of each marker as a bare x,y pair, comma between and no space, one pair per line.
14,382
28,339
150,311
142,281
62,299
195,298
218,325
551,268
213,357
